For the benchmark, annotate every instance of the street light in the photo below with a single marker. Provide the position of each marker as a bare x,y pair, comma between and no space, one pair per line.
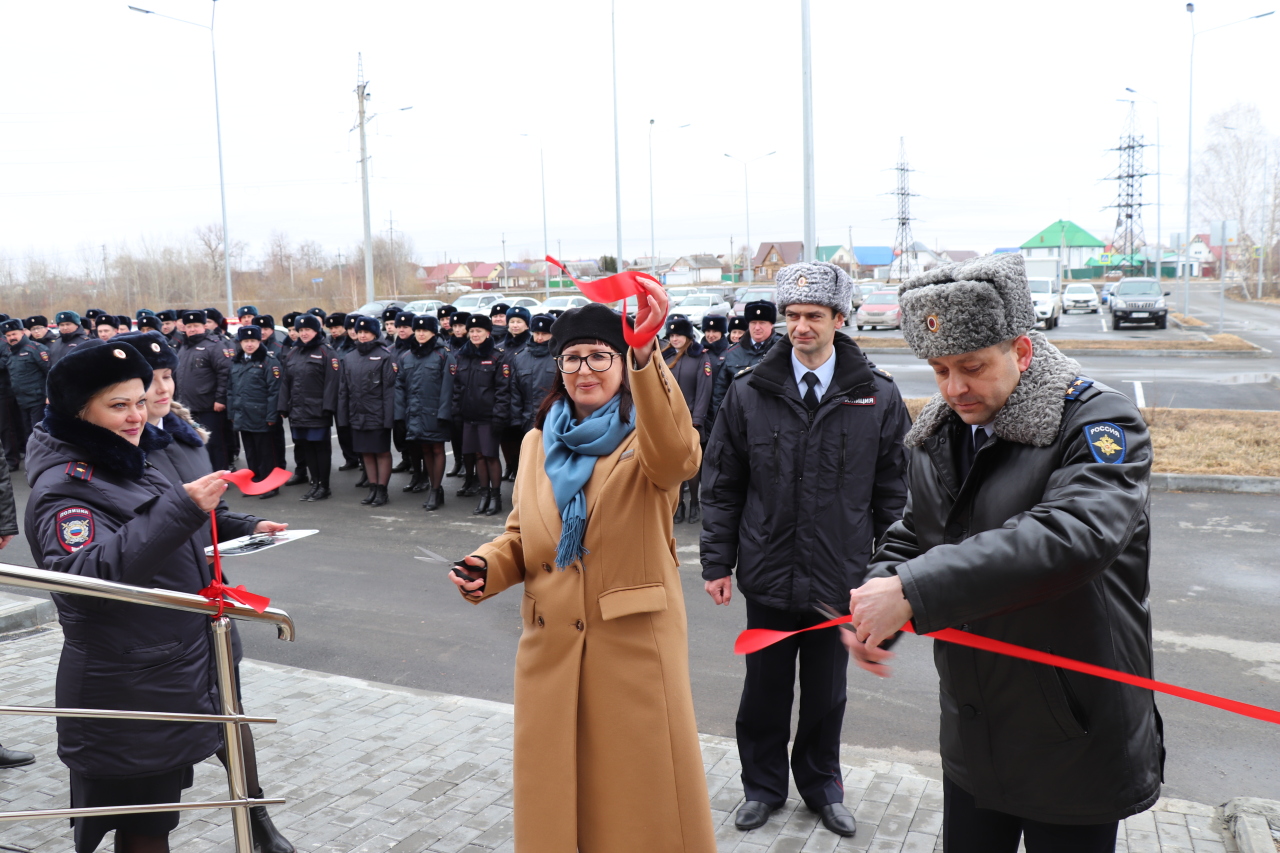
1159,231
748,273
546,247
652,259
217,118
1191,86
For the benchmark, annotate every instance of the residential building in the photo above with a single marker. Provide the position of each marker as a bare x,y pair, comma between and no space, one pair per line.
692,269
772,257
1066,240
838,255
872,261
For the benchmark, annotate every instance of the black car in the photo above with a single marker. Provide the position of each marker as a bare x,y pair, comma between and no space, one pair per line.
1138,300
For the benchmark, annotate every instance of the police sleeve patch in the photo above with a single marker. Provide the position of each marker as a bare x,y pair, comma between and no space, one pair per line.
706,367
275,371
334,362
75,528
1106,442
44,354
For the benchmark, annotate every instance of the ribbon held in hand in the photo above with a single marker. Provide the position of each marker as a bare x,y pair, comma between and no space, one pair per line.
219,591
755,639
619,286
243,480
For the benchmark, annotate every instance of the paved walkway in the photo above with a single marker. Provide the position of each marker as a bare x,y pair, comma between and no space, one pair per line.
373,767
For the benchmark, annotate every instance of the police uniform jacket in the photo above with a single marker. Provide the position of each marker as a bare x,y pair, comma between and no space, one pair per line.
253,391
65,343
512,345
367,389
28,364
272,344
98,510
532,376
717,352
1046,545
8,509
738,358
50,338
309,393
693,375
175,338
797,503
424,392
201,375
475,382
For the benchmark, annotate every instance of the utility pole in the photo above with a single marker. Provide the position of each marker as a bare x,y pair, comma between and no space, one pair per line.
106,274
339,270
391,238
1129,177
806,93
732,280
617,157
506,282
361,96
291,273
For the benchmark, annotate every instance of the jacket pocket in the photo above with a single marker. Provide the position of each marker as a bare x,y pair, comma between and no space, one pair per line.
1063,703
646,598
528,606
151,655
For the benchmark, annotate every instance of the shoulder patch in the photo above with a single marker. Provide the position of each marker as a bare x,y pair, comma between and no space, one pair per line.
334,362
706,367
80,471
395,367
453,368
275,371
506,370
1078,387
886,374
1106,442
744,371
75,527
44,354
229,353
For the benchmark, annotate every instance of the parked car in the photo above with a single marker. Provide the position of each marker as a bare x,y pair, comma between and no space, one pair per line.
534,306
472,303
754,294
1044,295
1138,300
1080,297
377,306
1104,295
564,303
423,306
879,310
453,287
695,306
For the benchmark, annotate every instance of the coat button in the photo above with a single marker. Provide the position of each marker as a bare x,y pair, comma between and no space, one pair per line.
545,567
968,712
540,622
579,625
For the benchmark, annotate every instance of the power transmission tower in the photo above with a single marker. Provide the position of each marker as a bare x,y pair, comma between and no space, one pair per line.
1128,236
902,267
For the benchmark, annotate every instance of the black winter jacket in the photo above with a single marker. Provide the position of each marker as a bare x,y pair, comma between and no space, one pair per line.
475,383
201,374
66,343
717,352
367,392
8,509
693,375
738,358
1045,545
97,509
424,392
50,338
526,380
309,393
28,364
798,505
253,391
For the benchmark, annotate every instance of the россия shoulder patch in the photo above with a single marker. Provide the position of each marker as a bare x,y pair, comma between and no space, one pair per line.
1106,442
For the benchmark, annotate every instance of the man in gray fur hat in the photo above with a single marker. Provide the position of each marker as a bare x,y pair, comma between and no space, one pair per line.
804,471
1028,522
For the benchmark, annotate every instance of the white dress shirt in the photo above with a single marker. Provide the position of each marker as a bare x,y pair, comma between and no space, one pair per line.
825,373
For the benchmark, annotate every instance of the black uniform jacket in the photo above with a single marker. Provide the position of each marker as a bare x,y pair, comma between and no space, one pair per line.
66,343
253,390
201,375
367,391
798,504
424,392
717,352
475,382
309,393
526,380
1045,545
693,375
97,509
738,358
28,364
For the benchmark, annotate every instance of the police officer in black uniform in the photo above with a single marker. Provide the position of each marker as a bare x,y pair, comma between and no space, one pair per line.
444,315
760,338
715,343
424,402
253,402
476,371
509,434
335,325
498,316
71,334
27,363
737,329
201,379
37,326
309,397
169,327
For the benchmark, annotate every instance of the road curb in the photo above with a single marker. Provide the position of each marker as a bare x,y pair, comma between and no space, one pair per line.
1215,483
22,612
1250,821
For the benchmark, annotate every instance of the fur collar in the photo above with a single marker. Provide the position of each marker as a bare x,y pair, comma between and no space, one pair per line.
103,447
485,350
1033,412
179,424
424,350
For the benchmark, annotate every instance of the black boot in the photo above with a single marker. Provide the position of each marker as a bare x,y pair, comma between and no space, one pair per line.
373,493
457,466
266,838
349,465
321,493
310,492
299,477
679,516
435,501
695,511
483,505
379,496
495,501
402,465
422,483
414,484
470,487
364,479
511,474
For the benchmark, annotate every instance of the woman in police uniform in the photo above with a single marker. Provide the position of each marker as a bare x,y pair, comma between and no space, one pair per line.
366,403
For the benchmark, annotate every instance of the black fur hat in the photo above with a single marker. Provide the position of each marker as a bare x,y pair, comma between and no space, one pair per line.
148,321
106,320
678,324
479,321
715,323
367,324
336,319
389,314
36,320
86,370
349,322
499,308
317,312
251,310
458,318
265,321
761,310
66,317
189,317
518,313
8,326
249,333
426,321
445,311
307,321
594,322
213,314
404,318
738,323
152,346
168,316
287,319
541,322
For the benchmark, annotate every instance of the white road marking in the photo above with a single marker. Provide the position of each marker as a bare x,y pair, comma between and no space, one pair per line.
1138,396
1103,320
1265,654
1221,525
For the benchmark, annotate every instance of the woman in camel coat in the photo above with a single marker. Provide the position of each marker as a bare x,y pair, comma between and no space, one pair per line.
606,746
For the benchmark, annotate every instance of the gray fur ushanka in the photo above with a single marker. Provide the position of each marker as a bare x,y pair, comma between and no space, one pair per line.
966,306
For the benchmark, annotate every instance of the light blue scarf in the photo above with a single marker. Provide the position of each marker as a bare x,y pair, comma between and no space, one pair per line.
572,449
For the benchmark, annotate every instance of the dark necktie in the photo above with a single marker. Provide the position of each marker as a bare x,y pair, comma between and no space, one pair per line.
811,396
979,438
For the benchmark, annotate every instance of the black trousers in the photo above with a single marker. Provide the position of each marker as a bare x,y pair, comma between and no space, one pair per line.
10,431
764,715
318,456
260,453
349,456
216,424
277,440
27,419
969,829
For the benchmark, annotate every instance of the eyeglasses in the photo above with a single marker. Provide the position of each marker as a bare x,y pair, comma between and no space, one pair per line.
599,362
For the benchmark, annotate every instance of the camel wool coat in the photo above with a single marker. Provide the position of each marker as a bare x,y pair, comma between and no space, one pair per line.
606,746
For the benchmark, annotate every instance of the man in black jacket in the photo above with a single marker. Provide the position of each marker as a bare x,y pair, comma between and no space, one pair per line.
201,383
27,363
755,345
1028,521
803,472
37,327
71,334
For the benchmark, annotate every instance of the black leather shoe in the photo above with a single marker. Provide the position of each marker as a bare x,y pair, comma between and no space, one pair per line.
364,481
297,479
14,758
457,467
401,466
266,838
435,501
679,516
349,465
483,505
414,483
309,493
695,512
470,488
495,501
270,494
379,496
752,815
423,484
368,499
321,493
836,818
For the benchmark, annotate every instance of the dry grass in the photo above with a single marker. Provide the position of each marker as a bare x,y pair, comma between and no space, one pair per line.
1188,321
1216,343
1204,441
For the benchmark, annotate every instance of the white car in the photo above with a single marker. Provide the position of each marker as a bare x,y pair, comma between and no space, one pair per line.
1080,297
695,306
1045,297
564,303
472,303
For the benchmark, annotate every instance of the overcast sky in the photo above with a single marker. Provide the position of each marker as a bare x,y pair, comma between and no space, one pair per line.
1007,109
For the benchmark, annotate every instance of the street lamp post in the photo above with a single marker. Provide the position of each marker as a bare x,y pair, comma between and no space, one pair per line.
546,245
749,273
1159,231
217,119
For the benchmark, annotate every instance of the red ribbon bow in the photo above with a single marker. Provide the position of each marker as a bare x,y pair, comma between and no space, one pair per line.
219,591
619,286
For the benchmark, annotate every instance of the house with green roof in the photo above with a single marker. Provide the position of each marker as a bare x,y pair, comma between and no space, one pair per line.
838,255
1066,240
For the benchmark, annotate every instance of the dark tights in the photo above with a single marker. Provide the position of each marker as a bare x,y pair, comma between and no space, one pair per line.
433,456
489,469
469,461
126,843
511,452
377,467
692,484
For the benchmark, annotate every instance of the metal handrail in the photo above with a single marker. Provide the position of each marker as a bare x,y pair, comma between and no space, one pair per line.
231,718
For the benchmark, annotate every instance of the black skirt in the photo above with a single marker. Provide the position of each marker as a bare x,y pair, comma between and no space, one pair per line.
98,792
371,440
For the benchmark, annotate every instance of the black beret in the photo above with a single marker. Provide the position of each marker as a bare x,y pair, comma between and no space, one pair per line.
459,318
518,312
148,321
541,322
317,312
479,321
715,323
189,317
739,323
594,322
337,318
404,318
499,308
152,346
86,370
307,321
168,316
8,326
426,321
249,333
761,310
67,317
247,309
287,319
389,313
37,320
367,324
349,322
678,324
265,321
213,314
445,311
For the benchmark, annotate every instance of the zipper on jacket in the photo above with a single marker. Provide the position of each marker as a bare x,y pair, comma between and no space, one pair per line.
1074,705
844,437
777,463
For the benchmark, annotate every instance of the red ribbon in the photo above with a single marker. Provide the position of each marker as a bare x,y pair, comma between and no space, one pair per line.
755,639
243,479
616,287
218,591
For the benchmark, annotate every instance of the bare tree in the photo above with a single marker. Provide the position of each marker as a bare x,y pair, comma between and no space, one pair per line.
1231,179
